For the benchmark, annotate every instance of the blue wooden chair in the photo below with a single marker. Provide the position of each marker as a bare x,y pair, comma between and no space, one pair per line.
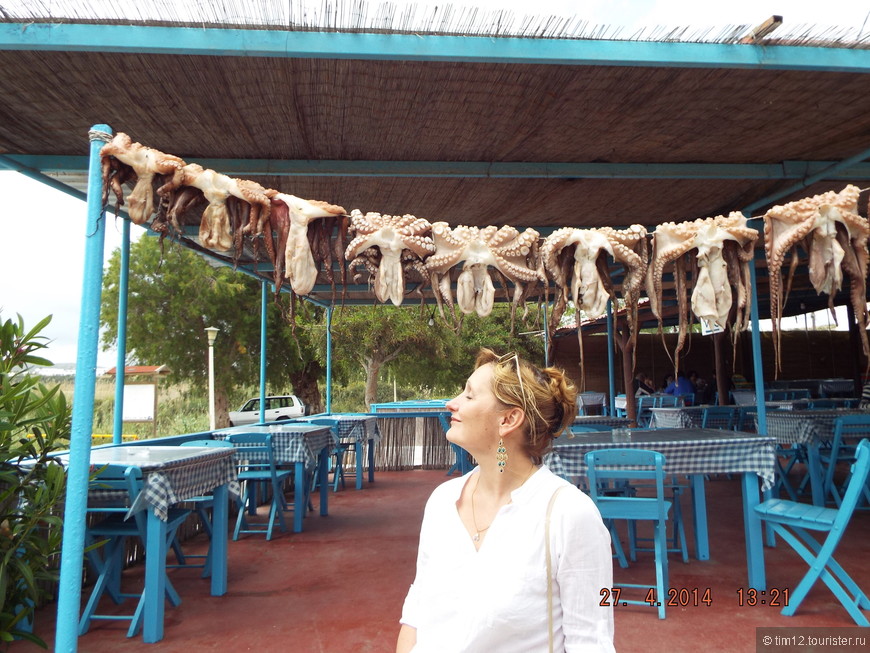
338,453
822,404
644,414
113,491
256,460
624,466
717,417
202,506
792,521
841,452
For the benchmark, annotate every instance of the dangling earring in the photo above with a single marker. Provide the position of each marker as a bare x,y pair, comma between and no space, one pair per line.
501,455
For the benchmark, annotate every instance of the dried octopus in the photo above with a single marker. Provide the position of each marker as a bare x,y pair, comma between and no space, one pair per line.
828,228
512,254
389,247
145,164
723,248
300,238
576,260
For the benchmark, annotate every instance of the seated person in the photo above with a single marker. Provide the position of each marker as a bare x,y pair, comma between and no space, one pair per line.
682,386
641,387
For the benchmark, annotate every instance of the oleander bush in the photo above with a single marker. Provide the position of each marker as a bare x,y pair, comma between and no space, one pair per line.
35,422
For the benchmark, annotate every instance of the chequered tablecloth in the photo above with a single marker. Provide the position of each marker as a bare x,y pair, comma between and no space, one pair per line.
688,451
290,443
804,426
357,428
601,420
168,483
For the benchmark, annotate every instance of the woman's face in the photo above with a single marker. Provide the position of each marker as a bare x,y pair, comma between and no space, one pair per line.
475,412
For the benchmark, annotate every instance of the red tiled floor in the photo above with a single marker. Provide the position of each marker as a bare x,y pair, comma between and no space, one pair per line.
339,586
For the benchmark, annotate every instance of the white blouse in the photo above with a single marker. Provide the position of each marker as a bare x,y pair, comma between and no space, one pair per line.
495,599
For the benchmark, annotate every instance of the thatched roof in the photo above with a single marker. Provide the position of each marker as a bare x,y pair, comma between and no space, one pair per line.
463,139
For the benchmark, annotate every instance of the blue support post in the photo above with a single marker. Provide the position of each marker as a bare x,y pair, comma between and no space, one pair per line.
121,361
264,298
546,339
758,370
329,359
72,553
611,371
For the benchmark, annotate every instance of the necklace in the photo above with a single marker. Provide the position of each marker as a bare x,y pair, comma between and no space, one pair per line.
478,530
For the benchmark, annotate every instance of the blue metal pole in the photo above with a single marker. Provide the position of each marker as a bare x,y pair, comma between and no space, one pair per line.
329,359
120,365
546,339
264,298
611,372
72,553
758,370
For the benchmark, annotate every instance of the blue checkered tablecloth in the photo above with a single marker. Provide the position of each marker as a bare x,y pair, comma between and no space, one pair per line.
357,428
291,442
686,451
601,420
805,426
169,474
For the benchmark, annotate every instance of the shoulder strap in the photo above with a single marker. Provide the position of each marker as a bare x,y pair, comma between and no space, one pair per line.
550,566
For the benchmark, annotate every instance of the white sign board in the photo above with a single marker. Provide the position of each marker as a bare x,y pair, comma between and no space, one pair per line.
709,328
139,401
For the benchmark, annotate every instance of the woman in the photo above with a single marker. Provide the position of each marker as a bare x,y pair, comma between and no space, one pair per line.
481,581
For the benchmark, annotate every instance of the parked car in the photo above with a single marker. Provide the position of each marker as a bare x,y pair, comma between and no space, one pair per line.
277,408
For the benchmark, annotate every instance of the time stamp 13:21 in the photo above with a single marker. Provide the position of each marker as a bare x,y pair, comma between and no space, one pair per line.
695,596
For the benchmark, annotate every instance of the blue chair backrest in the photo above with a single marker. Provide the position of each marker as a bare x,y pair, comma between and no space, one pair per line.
667,401
626,464
254,450
718,417
119,486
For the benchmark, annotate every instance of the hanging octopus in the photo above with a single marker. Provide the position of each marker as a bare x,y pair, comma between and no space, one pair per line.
509,252
720,249
828,228
388,246
576,260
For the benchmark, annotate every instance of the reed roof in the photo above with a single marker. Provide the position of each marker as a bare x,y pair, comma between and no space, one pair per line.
403,113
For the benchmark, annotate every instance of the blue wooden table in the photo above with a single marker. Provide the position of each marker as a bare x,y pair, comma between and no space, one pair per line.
694,452
171,474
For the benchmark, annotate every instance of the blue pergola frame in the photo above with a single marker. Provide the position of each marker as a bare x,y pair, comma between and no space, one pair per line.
404,47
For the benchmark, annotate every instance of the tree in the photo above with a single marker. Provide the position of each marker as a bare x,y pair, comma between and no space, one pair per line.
375,337
174,294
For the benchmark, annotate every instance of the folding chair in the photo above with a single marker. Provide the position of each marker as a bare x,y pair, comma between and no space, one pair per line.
338,453
201,505
256,460
623,466
717,417
792,520
644,414
120,485
846,427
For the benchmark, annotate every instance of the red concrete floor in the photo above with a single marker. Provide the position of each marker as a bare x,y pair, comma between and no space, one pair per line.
339,585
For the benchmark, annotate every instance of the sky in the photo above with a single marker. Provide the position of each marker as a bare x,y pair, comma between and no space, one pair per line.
36,282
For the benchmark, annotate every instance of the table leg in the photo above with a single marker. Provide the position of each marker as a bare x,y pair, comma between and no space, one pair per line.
699,513
323,478
754,535
358,447
220,525
371,455
155,579
300,503
817,480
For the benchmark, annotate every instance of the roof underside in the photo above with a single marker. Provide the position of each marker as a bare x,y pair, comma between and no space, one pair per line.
500,136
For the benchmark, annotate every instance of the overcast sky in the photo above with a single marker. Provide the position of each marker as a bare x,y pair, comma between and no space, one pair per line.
46,279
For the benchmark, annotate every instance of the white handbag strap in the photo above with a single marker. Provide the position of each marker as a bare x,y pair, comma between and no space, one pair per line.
550,567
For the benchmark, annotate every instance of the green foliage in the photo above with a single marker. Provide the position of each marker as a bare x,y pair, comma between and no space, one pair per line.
174,294
34,422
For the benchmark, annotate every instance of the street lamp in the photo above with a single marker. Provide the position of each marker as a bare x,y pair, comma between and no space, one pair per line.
211,332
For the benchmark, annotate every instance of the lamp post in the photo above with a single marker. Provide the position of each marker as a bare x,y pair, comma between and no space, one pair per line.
211,332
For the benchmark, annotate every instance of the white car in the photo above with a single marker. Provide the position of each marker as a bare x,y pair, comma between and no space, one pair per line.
277,408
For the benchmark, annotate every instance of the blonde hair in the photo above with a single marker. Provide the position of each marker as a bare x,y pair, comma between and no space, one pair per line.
546,396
